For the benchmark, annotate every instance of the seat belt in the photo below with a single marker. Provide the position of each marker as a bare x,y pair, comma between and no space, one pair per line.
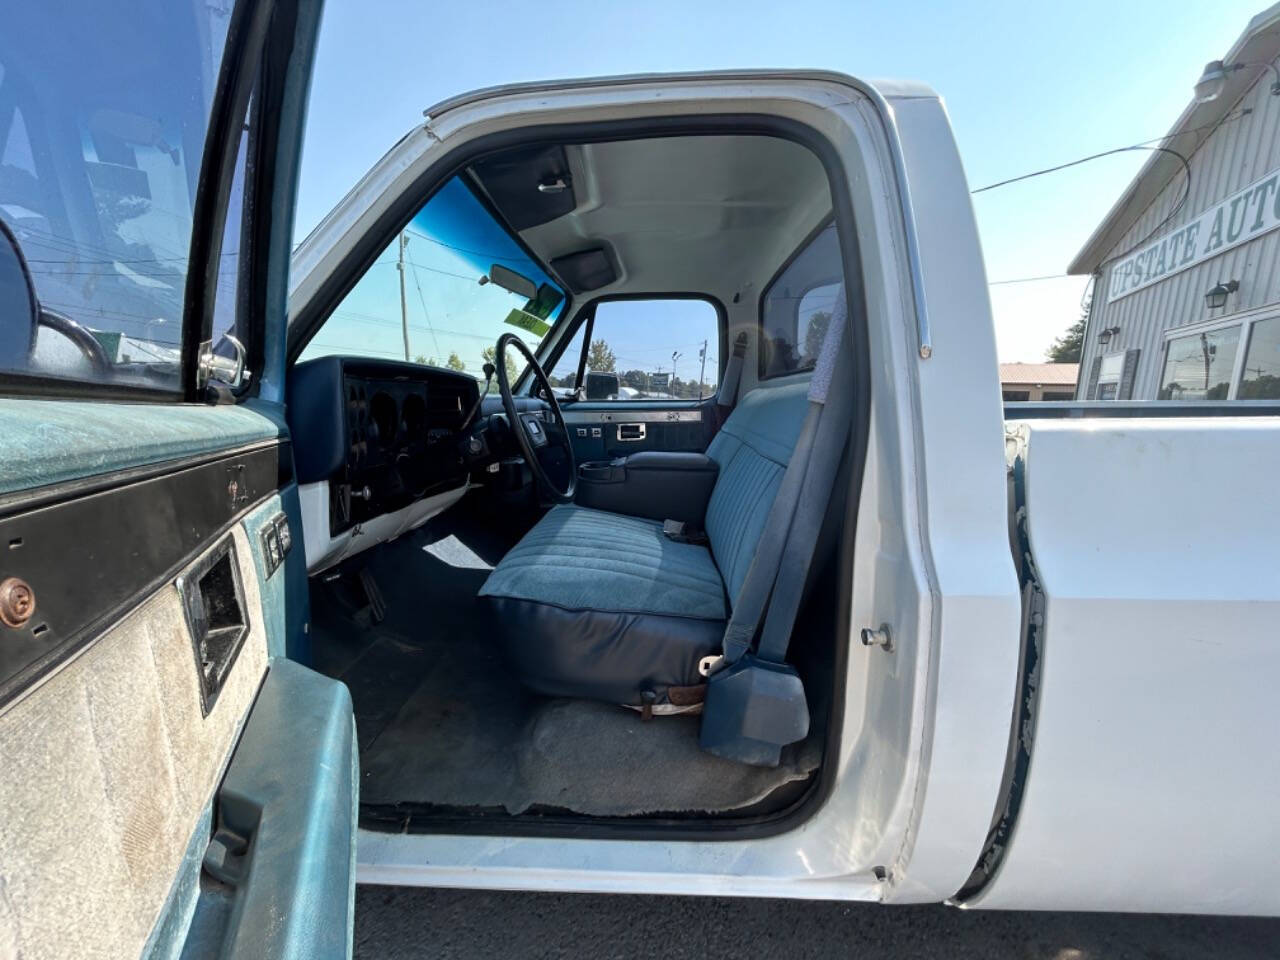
728,394
815,439
829,447
755,702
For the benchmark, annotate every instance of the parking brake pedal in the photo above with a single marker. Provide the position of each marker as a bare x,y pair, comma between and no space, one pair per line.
377,605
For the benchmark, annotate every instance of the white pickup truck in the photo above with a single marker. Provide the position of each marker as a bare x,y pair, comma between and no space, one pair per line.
822,622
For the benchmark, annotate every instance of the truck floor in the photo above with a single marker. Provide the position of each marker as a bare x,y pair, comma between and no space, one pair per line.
442,723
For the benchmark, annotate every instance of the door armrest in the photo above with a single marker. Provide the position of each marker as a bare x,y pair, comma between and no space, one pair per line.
653,484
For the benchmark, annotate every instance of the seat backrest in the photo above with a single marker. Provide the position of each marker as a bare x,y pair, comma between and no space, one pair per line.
752,449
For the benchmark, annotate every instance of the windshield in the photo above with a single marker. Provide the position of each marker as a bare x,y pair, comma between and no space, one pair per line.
102,126
428,298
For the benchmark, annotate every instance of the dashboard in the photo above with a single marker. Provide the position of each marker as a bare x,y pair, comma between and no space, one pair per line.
381,435
381,446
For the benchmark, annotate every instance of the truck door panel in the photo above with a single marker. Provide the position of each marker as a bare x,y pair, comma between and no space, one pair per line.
603,430
113,743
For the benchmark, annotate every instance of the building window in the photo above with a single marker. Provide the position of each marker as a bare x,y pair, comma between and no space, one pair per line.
1200,366
1109,374
1261,377
1015,396
1058,395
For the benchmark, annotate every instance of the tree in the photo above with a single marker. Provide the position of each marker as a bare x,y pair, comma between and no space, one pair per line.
420,358
490,356
600,357
455,363
1068,347
816,333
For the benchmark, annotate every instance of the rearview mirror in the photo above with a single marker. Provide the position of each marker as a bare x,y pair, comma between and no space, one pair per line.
516,283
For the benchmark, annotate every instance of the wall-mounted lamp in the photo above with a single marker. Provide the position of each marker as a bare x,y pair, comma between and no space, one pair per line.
1216,297
1214,79
1104,336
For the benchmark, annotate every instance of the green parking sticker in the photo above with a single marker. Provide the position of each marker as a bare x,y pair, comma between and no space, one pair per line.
527,321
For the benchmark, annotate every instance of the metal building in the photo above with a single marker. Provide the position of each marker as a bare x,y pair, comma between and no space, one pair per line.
1038,381
1186,266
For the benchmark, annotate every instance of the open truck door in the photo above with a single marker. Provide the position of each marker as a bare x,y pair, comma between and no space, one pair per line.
174,782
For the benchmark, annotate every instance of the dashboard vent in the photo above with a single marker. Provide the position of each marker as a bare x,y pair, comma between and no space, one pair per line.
357,422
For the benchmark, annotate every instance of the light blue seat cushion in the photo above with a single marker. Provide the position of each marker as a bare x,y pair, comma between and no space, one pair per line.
753,449
582,559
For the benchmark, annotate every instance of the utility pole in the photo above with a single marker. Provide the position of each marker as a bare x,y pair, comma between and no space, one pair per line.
404,310
675,355
702,354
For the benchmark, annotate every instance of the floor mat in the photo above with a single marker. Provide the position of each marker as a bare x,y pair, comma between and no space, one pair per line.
442,722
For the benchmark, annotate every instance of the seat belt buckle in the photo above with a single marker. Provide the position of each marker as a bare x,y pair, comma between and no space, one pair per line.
709,665
681,532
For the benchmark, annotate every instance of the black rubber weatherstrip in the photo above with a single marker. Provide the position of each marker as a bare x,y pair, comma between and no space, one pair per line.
237,76
90,559
1022,732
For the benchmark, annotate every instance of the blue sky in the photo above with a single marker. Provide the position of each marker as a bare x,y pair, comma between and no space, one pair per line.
1027,85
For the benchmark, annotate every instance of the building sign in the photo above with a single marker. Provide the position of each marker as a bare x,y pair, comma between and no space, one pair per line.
1249,213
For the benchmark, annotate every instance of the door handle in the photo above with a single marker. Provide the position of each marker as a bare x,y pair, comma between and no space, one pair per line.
213,602
629,432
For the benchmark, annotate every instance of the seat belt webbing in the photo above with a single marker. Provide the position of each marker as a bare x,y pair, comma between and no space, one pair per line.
829,446
781,544
753,595
728,393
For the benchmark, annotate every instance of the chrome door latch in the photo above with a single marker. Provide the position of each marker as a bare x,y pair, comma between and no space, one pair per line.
879,637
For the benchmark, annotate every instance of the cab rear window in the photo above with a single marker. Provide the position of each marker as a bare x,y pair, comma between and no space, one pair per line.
798,304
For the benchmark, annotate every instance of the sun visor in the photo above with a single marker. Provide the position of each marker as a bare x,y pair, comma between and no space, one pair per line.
529,186
586,270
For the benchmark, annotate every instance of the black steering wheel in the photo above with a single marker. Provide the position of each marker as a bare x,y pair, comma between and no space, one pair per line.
545,445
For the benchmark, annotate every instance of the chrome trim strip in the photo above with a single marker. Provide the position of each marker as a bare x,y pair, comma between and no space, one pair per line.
908,215
632,416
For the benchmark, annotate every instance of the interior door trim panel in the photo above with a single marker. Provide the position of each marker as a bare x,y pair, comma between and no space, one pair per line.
24,501
91,559
110,765
51,442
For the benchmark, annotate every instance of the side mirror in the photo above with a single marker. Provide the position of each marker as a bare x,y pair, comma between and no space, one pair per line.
215,364
19,308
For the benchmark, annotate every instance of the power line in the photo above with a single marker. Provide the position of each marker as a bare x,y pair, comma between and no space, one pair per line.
426,315
474,253
1142,145
1047,276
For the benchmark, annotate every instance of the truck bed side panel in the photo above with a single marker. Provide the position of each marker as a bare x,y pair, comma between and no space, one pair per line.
1154,774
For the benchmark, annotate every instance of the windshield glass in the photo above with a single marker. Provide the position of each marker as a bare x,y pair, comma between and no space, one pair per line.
102,126
428,298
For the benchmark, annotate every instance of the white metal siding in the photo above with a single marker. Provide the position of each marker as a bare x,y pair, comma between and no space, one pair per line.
1239,152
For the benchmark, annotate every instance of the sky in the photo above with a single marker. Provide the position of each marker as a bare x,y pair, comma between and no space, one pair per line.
1027,85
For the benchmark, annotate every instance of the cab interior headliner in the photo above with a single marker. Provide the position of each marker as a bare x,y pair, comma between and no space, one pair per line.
691,214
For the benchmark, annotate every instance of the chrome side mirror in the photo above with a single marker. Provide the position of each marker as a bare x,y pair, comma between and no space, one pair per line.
214,366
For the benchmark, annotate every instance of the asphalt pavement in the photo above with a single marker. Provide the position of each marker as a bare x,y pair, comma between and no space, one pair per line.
397,923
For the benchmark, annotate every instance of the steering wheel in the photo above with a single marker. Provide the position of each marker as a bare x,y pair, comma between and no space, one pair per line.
539,440
79,335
